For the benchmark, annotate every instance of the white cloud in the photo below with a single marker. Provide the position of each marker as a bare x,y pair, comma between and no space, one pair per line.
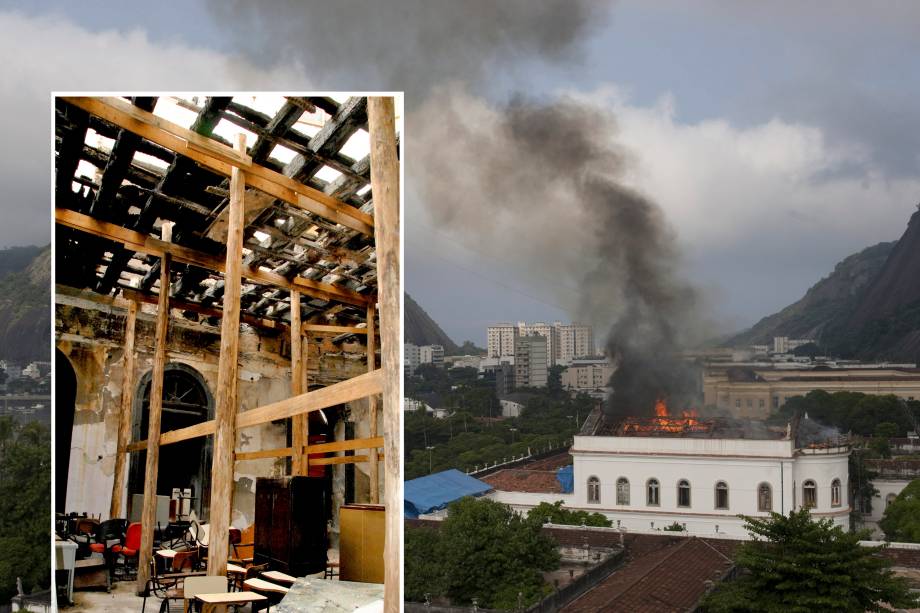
720,183
52,54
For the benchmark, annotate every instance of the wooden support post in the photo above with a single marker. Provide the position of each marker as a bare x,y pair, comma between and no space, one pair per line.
124,418
372,404
225,417
155,413
299,423
385,186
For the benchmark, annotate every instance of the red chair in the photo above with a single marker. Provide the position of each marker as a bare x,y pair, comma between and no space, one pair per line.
109,536
132,546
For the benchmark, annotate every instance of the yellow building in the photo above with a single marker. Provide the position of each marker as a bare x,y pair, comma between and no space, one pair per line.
757,391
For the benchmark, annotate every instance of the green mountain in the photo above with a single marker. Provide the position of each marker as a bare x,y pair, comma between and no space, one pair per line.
829,300
25,304
867,308
420,329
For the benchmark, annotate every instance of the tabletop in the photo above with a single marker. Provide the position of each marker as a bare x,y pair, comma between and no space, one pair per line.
278,576
230,598
265,586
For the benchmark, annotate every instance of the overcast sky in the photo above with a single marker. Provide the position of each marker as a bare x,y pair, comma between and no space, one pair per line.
777,140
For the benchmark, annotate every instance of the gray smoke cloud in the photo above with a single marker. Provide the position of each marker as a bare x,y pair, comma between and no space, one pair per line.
408,45
535,185
540,187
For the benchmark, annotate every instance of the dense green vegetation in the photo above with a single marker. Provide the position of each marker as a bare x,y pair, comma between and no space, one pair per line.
901,521
25,506
853,411
468,437
483,550
796,564
554,513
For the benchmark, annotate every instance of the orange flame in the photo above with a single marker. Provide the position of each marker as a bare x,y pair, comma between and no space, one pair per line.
663,422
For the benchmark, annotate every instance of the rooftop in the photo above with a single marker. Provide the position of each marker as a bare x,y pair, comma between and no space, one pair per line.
660,574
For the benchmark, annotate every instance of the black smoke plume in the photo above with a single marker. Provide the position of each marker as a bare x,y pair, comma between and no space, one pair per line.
539,186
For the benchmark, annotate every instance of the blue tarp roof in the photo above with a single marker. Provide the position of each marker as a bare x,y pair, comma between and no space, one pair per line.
434,492
566,478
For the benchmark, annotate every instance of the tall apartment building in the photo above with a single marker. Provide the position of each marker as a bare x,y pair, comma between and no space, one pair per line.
501,340
431,354
531,363
565,342
547,331
411,358
573,342
414,355
587,375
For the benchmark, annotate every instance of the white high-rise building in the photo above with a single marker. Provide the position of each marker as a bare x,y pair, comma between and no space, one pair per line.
573,342
411,358
564,342
501,340
545,330
431,354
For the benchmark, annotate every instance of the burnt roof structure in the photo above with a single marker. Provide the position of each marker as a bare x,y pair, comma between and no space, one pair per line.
289,243
240,210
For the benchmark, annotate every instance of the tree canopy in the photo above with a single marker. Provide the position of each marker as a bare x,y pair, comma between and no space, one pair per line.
795,564
901,521
554,513
483,550
25,506
854,411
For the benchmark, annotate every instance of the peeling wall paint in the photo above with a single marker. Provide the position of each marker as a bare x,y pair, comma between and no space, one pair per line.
90,335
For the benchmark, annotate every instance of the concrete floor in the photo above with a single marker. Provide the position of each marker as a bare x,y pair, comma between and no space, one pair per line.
121,599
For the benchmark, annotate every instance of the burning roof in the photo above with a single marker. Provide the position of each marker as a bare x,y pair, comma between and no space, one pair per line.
689,423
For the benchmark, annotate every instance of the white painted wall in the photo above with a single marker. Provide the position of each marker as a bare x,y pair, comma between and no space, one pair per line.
742,465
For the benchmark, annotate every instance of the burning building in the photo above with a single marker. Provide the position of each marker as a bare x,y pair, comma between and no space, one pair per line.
702,473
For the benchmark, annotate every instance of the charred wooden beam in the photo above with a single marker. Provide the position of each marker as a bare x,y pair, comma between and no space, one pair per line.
204,125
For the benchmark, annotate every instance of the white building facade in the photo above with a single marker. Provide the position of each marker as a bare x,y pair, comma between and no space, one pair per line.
644,483
531,368
411,358
431,354
587,375
565,342
500,340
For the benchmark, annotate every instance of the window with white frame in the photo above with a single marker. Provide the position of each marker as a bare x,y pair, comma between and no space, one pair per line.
653,491
623,491
683,493
835,493
809,494
594,490
721,495
764,497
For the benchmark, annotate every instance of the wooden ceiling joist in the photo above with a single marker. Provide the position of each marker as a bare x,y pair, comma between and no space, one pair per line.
220,158
138,242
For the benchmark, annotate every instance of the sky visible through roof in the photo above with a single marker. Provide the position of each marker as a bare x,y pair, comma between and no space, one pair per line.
777,139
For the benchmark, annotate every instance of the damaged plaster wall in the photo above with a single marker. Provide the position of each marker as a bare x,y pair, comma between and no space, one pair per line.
91,336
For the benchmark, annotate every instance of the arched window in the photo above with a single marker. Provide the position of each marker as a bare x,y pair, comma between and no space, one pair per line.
652,493
764,497
594,490
623,491
721,495
889,499
683,493
809,494
835,493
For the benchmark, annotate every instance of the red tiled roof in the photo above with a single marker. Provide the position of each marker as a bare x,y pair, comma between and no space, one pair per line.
661,575
524,480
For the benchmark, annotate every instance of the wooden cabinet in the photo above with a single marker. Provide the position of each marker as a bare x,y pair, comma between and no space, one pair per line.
290,525
361,537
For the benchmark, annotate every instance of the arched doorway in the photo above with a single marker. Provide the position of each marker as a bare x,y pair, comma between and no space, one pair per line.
186,401
65,399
